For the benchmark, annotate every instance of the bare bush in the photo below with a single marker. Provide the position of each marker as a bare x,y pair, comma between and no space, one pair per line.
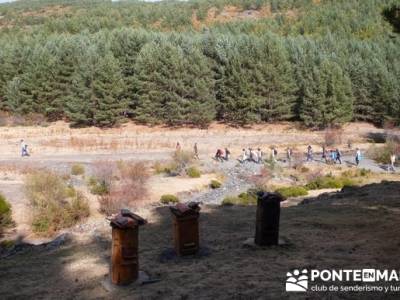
103,172
182,159
333,136
127,189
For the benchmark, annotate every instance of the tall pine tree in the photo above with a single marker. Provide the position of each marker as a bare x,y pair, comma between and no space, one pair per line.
97,94
173,86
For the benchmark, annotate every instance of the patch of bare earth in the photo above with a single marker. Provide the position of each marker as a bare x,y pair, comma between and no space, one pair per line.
47,11
232,13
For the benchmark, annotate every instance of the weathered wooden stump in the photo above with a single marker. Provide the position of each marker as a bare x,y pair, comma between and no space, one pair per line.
125,245
186,228
267,219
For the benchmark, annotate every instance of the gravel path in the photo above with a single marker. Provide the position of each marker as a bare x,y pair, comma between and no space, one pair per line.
236,181
237,177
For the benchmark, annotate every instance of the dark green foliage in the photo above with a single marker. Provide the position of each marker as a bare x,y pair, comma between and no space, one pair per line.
174,85
257,81
99,62
392,15
327,98
97,95
5,214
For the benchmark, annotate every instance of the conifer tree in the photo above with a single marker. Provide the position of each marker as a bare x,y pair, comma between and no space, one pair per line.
327,98
173,86
96,98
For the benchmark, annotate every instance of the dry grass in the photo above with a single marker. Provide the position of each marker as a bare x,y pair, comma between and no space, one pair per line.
58,137
54,204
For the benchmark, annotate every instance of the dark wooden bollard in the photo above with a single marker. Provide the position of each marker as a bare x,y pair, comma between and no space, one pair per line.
125,246
186,228
267,220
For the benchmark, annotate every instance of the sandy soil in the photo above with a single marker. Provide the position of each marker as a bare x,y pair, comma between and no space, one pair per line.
356,228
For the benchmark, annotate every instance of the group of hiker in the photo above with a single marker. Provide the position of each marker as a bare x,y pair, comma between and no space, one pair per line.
257,155
251,155
331,156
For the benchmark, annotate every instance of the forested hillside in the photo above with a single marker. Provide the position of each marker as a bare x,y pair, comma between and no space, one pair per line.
99,63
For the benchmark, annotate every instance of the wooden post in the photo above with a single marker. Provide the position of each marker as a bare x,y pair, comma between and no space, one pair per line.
267,219
186,235
125,246
186,228
124,256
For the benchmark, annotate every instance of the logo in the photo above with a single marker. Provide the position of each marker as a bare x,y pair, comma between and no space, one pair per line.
297,281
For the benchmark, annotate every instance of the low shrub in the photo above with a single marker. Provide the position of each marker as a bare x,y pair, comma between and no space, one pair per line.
356,173
329,182
193,172
77,169
364,172
292,191
159,167
97,187
91,181
215,184
230,200
100,188
55,205
241,199
171,168
304,169
167,199
5,214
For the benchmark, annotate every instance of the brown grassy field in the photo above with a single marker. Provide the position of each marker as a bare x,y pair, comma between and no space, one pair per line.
59,138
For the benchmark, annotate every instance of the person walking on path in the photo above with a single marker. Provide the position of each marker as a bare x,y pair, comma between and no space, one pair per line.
338,156
218,155
333,156
358,156
259,155
244,156
227,153
392,161
251,154
274,153
309,153
289,153
323,153
24,148
178,146
196,151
